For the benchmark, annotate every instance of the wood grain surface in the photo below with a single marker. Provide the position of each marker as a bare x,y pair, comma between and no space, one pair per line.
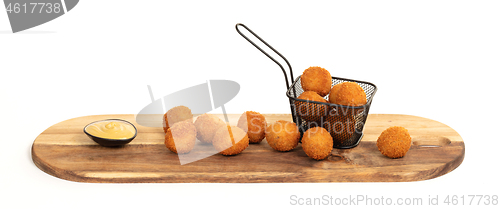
64,151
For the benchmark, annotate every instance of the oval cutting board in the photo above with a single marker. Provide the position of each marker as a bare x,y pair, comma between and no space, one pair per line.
64,151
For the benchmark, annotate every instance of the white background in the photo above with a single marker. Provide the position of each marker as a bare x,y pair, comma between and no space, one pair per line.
435,59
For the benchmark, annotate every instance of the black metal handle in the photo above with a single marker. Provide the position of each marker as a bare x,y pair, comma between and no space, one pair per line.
261,50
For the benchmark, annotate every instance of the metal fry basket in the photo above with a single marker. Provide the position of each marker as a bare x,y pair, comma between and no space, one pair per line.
344,123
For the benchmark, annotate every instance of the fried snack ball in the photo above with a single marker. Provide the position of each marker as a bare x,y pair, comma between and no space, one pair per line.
230,140
311,111
341,127
347,93
181,137
282,135
317,143
207,125
176,114
394,142
254,124
316,79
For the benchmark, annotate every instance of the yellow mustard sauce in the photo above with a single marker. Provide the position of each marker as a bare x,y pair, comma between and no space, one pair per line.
111,129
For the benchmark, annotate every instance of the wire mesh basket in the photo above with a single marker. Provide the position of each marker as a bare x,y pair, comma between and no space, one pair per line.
344,123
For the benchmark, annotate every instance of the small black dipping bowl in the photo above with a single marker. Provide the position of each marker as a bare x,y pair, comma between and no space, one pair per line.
110,142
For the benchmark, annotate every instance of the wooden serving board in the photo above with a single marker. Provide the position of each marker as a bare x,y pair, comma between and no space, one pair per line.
64,151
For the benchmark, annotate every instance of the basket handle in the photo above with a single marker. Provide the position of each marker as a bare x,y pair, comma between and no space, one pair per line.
261,50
